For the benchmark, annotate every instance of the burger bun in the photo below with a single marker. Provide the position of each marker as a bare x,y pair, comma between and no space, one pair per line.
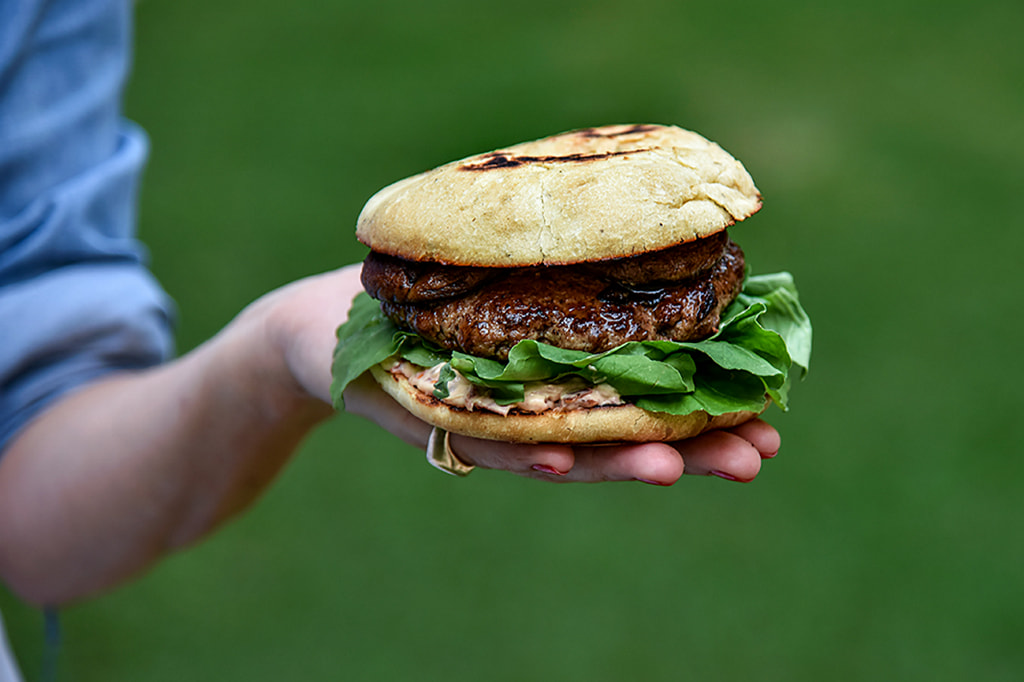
582,196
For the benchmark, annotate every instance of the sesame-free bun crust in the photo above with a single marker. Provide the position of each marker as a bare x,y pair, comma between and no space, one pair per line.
585,195
611,424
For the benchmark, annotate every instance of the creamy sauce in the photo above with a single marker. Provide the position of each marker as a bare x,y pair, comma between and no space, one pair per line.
570,394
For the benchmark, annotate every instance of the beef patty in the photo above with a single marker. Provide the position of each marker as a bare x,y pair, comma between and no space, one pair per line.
676,294
388,278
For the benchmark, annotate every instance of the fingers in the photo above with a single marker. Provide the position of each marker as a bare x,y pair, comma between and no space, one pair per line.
761,435
654,463
720,453
548,460
734,455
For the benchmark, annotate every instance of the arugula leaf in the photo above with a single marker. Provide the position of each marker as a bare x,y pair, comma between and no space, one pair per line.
783,315
763,334
640,375
441,387
367,339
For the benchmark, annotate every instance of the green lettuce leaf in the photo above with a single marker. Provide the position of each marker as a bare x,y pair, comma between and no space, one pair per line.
366,339
764,333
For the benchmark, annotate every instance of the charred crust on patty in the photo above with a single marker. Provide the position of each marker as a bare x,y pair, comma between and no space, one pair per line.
673,264
569,307
390,278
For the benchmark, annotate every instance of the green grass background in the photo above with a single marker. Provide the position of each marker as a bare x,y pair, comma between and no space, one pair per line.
883,543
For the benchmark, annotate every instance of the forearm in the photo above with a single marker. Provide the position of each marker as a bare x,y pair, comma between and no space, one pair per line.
121,472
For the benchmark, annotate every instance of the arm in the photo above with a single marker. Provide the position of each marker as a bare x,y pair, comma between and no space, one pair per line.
131,467
125,470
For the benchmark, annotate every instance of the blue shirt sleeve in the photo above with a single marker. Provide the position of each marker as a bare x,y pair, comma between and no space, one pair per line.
76,298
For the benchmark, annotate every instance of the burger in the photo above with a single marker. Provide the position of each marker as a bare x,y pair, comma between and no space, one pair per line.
581,288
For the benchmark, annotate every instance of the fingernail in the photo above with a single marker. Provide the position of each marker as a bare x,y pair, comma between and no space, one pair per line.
544,468
722,474
769,455
650,482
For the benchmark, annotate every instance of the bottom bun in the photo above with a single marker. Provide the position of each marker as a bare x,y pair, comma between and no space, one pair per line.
606,424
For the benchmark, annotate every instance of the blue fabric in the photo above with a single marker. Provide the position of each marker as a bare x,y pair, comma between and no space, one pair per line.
76,298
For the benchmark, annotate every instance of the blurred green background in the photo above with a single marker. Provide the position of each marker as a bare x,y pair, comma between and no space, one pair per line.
883,543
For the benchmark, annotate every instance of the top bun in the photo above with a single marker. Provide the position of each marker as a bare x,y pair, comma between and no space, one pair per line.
584,195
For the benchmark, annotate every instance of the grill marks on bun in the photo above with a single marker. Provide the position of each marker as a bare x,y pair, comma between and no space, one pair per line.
510,159
495,160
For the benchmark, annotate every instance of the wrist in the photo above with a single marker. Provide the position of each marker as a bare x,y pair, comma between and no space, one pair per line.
249,362
299,323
